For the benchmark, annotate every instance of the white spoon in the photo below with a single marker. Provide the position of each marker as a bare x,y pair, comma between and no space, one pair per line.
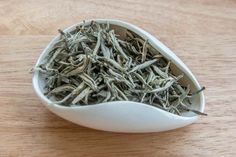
126,116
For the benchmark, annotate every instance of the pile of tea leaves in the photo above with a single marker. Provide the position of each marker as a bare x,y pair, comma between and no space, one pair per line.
92,64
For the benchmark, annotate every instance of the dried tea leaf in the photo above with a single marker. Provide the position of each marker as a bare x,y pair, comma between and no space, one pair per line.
92,65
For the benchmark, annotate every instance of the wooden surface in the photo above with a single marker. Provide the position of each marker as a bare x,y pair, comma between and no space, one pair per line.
201,32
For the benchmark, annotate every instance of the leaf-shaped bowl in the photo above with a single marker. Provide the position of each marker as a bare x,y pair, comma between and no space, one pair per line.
126,116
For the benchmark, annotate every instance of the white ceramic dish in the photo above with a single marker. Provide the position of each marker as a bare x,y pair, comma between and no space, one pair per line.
126,116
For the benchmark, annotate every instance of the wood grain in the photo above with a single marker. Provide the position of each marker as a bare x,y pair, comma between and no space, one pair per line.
201,32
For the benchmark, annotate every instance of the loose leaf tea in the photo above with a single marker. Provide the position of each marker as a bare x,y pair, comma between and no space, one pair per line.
93,64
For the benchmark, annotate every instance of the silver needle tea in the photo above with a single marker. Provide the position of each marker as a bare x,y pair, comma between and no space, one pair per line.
91,65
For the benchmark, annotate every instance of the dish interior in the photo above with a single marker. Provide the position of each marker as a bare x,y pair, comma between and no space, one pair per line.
121,31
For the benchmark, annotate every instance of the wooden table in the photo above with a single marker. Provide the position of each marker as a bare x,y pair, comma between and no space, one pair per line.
201,32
